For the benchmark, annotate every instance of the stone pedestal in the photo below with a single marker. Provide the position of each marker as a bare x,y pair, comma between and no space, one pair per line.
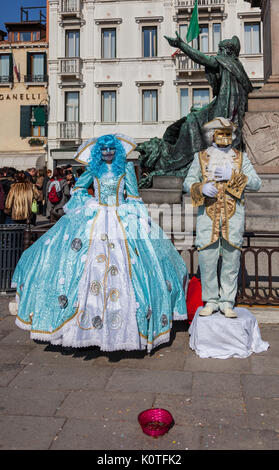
165,190
220,337
261,127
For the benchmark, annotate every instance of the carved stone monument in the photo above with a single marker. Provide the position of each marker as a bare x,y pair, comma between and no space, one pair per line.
261,126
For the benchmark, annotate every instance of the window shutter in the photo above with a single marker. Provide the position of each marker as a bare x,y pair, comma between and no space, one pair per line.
11,69
25,124
46,121
45,64
28,64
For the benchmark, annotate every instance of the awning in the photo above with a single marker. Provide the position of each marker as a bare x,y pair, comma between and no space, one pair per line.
22,162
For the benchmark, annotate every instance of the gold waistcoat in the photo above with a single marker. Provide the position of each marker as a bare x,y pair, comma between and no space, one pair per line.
222,207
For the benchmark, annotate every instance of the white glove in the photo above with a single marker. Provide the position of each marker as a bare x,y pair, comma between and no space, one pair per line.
209,189
223,173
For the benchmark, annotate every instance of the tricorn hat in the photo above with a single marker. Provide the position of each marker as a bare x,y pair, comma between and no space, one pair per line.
220,123
83,153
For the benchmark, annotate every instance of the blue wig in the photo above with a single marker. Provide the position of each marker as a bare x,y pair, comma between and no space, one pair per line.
98,165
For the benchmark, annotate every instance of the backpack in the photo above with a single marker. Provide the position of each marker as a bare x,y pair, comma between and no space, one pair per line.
2,197
55,195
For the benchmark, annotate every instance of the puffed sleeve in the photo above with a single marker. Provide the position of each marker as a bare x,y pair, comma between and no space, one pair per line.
131,184
193,182
79,193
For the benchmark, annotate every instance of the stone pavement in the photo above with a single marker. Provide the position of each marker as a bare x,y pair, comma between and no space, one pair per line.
91,400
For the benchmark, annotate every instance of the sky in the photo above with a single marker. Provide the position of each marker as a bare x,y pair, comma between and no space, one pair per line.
10,10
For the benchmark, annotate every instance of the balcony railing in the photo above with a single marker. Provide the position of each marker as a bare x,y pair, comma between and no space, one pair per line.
69,130
70,66
70,7
6,79
205,3
36,78
182,62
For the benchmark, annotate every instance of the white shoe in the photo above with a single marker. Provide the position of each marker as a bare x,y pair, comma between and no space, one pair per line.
229,313
206,311
13,308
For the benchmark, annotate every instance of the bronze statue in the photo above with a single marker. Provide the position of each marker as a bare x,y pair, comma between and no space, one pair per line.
173,154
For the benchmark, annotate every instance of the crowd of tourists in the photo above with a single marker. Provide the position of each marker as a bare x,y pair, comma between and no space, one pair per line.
25,194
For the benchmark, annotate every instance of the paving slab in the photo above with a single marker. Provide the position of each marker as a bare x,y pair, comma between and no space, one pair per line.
135,380
163,359
106,406
25,402
261,364
266,386
195,363
203,411
235,438
117,435
14,354
8,372
61,378
263,413
28,432
213,385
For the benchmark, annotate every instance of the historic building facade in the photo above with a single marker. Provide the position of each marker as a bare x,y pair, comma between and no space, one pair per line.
112,70
23,95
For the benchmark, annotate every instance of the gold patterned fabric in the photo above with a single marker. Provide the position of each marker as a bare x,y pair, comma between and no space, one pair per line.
196,194
222,207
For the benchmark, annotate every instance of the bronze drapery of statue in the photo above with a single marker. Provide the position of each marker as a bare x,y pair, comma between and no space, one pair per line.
173,153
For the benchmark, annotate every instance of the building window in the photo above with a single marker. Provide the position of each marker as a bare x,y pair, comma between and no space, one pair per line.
150,105
108,43
203,39
201,42
33,121
24,36
6,68
184,102
216,36
72,43
36,67
200,97
38,121
252,38
72,106
149,39
108,111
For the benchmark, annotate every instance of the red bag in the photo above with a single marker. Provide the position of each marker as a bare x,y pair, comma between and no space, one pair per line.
194,297
55,196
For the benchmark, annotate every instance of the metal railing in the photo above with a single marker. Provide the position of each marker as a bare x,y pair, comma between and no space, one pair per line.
183,62
6,79
70,66
69,6
191,3
36,78
258,279
69,130
11,248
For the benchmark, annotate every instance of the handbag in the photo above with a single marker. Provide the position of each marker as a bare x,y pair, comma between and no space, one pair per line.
34,208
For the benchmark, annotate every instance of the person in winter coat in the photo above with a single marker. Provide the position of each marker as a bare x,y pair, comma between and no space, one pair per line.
20,198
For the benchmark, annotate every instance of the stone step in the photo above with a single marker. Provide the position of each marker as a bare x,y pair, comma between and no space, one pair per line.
161,196
167,182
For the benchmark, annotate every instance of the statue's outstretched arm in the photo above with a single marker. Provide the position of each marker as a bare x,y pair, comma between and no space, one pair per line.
197,56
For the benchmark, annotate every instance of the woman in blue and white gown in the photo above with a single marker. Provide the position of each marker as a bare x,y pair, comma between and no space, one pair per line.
105,274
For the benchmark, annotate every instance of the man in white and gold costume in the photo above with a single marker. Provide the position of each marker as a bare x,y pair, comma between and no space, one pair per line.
216,182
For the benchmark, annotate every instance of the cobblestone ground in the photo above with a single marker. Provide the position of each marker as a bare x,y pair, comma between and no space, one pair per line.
91,400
